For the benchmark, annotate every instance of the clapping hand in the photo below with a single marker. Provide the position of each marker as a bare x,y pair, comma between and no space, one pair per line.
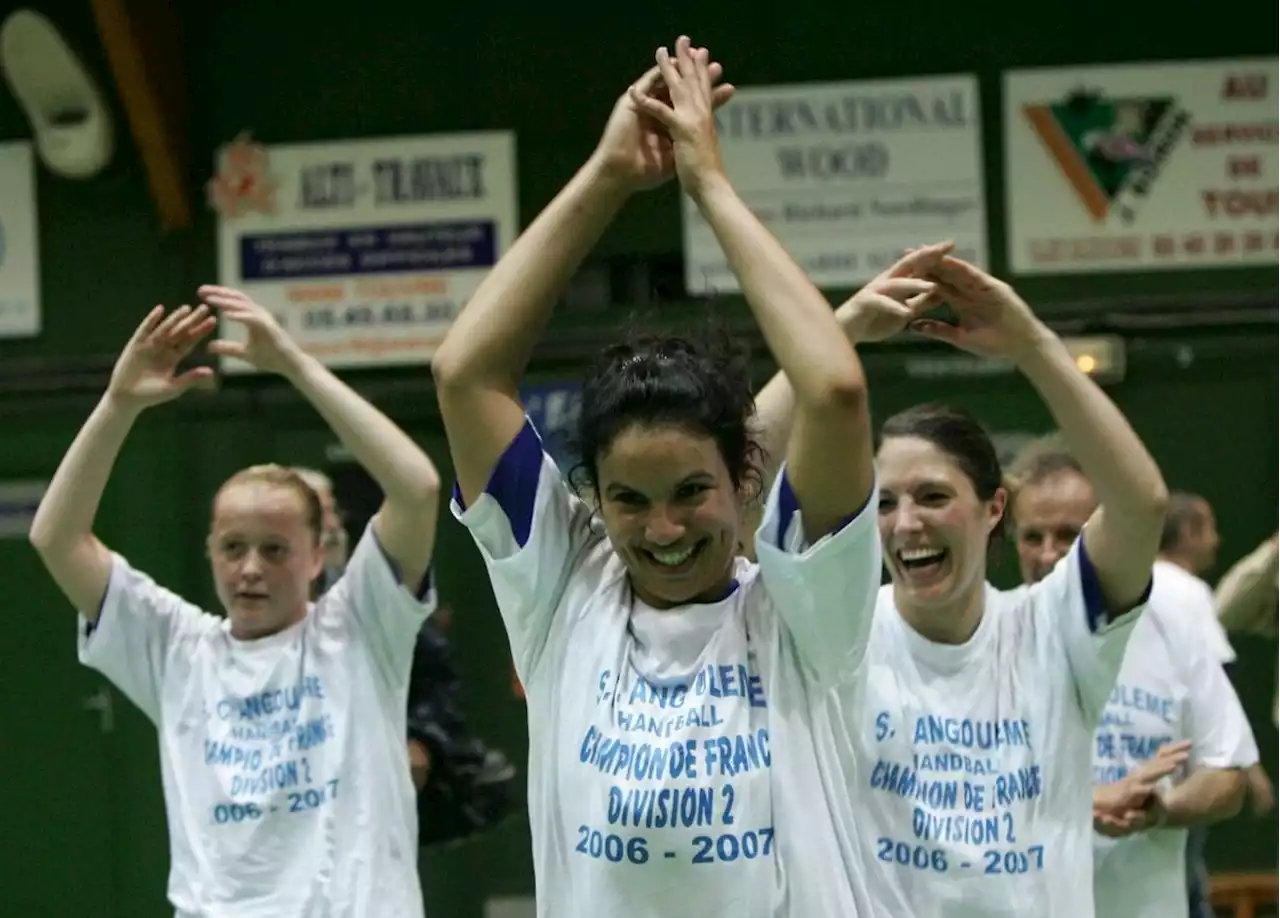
636,147
1133,803
686,109
896,297
992,320
266,345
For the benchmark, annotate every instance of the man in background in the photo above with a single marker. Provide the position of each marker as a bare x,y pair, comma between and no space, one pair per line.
1142,871
1188,548
464,787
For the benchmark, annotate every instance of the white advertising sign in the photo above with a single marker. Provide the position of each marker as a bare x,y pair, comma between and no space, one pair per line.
847,175
1142,167
365,250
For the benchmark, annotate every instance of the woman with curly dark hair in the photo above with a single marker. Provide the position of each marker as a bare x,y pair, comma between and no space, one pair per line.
669,680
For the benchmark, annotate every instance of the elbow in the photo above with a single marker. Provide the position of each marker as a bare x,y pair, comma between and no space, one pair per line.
1155,503
40,540
1235,798
1150,493
457,373
1158,497
1149,502
424,486
429,487
41,535
842,392
447,368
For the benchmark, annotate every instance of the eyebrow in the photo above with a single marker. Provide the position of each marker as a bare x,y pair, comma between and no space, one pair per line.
698,477
230,535
934,483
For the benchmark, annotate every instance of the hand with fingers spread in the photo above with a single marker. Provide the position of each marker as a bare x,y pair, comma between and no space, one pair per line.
688,112
993,321
896,297
636,147
266,346
146,373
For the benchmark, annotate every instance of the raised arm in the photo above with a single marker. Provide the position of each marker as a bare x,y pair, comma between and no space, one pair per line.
829,458
406,522
144,375
878,311
1122,536
479,365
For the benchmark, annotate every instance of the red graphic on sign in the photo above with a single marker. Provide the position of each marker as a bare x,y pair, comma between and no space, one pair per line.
243,182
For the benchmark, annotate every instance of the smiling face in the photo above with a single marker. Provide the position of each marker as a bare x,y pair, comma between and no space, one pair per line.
933,527
264,553
671,511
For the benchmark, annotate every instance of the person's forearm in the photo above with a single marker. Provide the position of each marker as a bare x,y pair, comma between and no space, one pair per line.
775,415
70,503
1123,473
399,466
776,403
1209,795
492,339
1122,537
794,318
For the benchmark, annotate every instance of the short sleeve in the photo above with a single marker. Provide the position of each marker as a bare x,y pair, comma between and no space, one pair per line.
1204,618
824,593
1217,725
382,611
530,529
138,626
1070,606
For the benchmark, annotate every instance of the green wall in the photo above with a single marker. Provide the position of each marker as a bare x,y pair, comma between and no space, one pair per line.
299,70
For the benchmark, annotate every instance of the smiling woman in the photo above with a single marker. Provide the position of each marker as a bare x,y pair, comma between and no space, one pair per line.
985,702
663,440
672,685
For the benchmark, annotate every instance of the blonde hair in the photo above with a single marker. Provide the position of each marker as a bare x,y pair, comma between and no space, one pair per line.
316,479
280,476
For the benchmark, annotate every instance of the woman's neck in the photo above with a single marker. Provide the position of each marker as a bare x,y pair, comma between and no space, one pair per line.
951,622
720,591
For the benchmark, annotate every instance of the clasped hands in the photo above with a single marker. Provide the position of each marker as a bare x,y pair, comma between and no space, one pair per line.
1135,802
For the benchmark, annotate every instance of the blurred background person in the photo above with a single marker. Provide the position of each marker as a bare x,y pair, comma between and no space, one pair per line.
464,786
1171,688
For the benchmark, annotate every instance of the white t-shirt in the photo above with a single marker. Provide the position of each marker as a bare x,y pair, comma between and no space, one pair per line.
657,780
283,759
1171,687
1177,588
968,766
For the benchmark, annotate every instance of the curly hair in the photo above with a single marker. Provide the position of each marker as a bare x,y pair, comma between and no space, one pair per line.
699,382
